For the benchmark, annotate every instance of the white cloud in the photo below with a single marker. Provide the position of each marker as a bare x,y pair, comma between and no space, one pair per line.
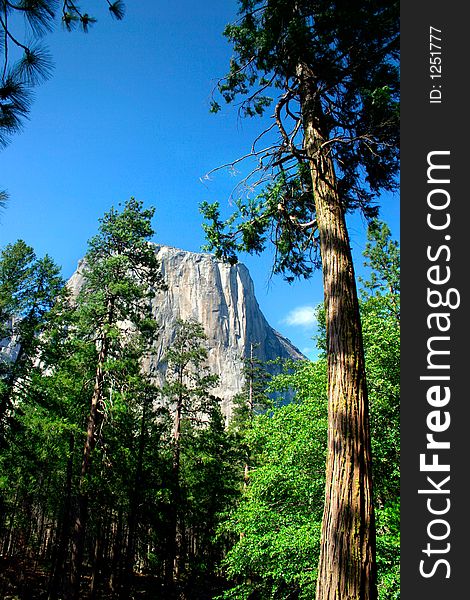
302,316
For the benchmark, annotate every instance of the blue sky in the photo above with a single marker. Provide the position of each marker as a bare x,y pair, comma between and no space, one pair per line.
126,113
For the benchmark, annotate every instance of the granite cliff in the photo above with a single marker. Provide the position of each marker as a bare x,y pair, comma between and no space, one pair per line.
222,298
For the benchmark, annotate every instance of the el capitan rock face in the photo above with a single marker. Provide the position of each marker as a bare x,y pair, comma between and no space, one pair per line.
220,297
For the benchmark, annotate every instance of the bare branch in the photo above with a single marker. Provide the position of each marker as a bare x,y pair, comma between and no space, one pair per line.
231,165
288,140
303,226
261,135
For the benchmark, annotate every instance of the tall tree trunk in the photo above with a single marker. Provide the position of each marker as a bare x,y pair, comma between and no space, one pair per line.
57,577
94,418
97,561
174,542
115,579
347,557
136,496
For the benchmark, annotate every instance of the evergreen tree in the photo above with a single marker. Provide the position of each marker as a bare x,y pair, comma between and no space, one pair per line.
332,67
144,433
20,75
29,287
280,512
383,258
120,277
187,395
210,476
33,426
252,400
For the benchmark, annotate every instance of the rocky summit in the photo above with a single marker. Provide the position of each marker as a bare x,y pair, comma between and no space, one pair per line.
222,298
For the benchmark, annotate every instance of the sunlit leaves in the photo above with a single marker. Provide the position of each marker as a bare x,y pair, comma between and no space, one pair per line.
335,64
69,20
279,516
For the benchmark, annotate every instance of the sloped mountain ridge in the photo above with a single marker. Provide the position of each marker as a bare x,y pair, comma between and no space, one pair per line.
222,298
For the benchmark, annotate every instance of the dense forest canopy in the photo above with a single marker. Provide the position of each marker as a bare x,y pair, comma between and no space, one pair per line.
330,70
115,484
176,503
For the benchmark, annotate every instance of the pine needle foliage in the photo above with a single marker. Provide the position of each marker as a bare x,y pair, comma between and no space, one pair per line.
25,61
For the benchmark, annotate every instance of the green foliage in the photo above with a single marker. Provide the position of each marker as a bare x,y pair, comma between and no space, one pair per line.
278,519
380,321
388,550
22,27
283,214
383,258
261,532
29,287
202,482
113,313
335,66
188,380
129,490
209,477
120,277
381,329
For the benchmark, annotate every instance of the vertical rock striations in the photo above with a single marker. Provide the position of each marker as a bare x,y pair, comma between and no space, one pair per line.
221,297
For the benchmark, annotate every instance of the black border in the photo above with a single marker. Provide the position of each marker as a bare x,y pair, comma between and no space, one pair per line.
427,127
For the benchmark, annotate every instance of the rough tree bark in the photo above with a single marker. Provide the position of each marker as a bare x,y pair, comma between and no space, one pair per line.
347,557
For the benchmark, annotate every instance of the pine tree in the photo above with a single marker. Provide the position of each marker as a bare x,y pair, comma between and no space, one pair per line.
332,67
252,400
187,394
253,397
120,276
383,258
19,76
29,287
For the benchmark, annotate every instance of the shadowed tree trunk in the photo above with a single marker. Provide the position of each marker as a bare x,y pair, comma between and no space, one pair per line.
347,556
57,578
78,540
174,547
132,521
